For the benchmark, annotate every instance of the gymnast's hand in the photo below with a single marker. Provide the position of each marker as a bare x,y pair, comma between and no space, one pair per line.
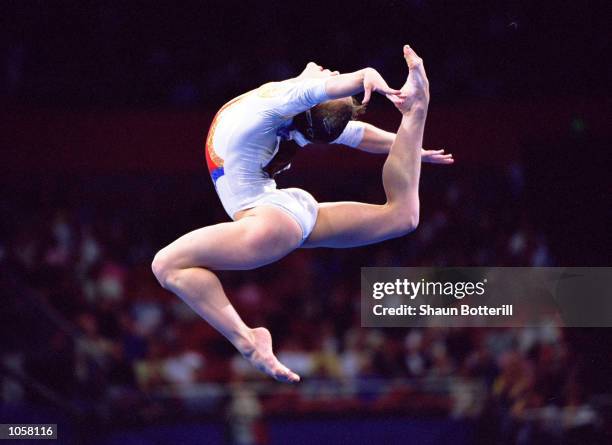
436,157
373,81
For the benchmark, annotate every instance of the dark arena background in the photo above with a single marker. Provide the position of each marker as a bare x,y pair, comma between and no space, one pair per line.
104,107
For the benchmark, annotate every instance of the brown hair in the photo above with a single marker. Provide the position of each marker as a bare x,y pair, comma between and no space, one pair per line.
323,123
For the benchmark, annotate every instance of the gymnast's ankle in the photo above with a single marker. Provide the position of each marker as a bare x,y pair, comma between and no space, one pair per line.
244,342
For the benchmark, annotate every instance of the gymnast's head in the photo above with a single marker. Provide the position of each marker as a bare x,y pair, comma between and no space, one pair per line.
323,123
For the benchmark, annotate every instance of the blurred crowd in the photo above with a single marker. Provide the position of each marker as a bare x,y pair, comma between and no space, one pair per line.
104,334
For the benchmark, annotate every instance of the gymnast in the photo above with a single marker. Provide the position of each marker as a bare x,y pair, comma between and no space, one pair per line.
243,155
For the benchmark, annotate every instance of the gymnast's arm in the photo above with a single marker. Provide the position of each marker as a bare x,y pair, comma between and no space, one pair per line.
316,85
376,140
366,80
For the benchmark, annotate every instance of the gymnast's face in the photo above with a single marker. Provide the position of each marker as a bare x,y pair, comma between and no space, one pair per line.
316,71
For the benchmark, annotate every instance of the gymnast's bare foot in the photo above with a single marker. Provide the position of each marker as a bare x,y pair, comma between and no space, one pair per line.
260,354
414,95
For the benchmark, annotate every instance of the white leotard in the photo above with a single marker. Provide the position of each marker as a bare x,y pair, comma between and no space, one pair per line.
246,133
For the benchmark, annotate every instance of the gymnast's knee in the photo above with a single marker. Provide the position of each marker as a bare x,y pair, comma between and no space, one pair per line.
164,269
403,221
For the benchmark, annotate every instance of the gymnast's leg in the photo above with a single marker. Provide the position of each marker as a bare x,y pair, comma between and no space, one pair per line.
348,224
259,236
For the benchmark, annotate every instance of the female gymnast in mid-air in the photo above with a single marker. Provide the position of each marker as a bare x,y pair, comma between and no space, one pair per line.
242,153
